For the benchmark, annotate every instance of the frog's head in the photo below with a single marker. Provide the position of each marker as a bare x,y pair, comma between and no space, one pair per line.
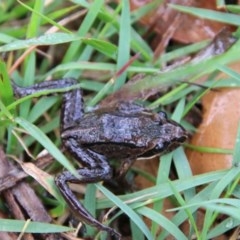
172,135
168,135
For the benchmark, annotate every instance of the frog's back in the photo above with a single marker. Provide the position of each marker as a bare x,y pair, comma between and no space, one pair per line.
110,128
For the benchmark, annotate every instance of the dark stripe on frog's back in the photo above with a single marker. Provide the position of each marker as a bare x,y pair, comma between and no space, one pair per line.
115,150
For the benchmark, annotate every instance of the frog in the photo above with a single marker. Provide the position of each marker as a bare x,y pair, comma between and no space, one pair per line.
125,132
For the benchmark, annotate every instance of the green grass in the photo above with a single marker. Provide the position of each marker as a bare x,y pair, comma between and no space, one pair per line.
94,48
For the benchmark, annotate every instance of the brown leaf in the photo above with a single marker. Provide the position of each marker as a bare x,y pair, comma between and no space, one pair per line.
43,178
219,128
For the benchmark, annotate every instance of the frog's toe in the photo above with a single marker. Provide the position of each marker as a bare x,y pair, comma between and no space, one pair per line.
114,233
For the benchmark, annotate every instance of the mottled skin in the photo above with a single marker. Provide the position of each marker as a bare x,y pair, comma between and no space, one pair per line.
123,132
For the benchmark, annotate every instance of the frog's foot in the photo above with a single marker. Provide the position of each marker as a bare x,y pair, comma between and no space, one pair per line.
112,232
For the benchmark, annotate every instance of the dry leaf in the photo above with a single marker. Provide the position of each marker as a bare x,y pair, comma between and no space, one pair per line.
218,129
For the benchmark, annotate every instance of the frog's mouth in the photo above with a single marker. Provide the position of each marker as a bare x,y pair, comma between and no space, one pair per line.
174,144
153,153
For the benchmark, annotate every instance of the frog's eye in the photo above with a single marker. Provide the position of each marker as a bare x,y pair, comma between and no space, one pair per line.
159,147
162,115
182,139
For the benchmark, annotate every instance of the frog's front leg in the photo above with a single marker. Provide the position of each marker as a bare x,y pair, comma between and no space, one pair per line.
124,167
96,168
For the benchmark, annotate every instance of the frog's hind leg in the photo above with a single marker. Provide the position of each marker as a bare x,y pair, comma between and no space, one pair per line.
74,204
72,109
96,168
124,167
47,85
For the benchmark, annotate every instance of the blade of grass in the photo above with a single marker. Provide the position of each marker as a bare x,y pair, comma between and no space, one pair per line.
48,39
182,202
162,177
127,210
183,51
236,152
82,3
233,8
162,221
87,65
9,225
44,17
46,143
85,26
136,232
181,215
210,216
4,111
209,149
6,92
224,226
28,80
5,38
231,73
90,204
228,18
183,72
60,13
40,107
220,4
33,26
104,47
124,43
162,190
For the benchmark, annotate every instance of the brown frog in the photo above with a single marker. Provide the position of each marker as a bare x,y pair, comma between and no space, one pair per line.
124,132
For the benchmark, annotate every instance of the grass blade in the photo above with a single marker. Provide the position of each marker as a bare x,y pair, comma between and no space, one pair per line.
127,210
9,225
47,39
45,142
